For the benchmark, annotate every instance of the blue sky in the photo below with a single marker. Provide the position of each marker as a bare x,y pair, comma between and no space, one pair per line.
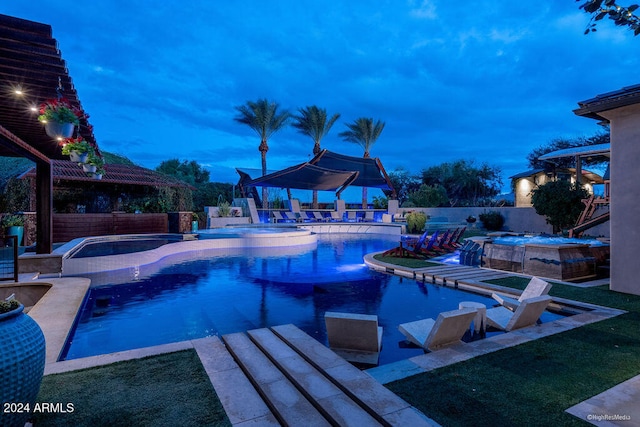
489,82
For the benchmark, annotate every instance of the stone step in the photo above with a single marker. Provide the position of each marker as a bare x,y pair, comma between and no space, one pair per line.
240,400
286,402
379,401
328,398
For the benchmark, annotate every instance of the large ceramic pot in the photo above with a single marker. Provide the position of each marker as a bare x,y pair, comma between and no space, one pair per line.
59,130
21,365
16,230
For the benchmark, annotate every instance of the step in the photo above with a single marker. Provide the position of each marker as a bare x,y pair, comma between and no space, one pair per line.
240,400
287,403
379,401
326,396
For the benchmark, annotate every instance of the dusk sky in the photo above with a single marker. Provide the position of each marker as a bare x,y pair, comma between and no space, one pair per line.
488,82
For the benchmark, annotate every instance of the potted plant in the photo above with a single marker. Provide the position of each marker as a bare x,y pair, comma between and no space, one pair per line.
14,226
94,161
59,117
77,149
100,171
194,222
21,362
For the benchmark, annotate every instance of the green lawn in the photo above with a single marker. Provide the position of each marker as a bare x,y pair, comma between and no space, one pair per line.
166,390
533,383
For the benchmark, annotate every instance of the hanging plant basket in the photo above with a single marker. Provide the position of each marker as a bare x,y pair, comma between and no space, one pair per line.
78,157
89,168
59,130
21,363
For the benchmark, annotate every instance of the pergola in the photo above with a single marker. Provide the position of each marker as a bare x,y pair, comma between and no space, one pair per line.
32,71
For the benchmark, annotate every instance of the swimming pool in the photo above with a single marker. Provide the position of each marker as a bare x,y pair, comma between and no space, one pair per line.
223,291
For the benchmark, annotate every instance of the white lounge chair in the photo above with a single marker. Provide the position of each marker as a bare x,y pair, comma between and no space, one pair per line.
355,337
527,313
336,216
278,216
535,288
447,329
292,216
368,216
318,216
352,216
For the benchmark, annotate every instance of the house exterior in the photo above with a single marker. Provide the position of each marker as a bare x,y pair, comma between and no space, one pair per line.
523,183
621,109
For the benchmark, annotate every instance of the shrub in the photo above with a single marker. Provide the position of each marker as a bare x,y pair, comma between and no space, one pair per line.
416,222
560,202
492,220
7,306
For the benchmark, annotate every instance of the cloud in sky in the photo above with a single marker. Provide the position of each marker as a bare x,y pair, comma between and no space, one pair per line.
488,82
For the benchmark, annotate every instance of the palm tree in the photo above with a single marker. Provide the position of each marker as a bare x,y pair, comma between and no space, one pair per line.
364,132
263,117
312,122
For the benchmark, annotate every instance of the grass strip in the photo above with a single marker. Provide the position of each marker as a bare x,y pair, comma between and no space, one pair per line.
534,383
170,389
405,262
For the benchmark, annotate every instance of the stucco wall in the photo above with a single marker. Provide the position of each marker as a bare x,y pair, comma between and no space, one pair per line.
516,219
625,207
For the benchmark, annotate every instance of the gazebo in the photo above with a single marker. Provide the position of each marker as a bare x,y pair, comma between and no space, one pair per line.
32,71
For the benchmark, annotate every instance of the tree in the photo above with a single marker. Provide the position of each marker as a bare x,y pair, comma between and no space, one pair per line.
465,184
263,117
404,183
622,16
429,196
365,133
188,171
562,143
206,193
313,122
560,202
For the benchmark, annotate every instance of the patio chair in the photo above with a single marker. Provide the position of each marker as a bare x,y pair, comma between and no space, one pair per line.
292,216
368,216
278,216
336,216
535,288
447,329
352,216
428,250
355,337
412,247
317,216
527,314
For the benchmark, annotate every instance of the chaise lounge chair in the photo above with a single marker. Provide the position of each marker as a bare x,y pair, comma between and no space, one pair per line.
336,216
352,216
527,314
355,337
535,288
368,216
318,217
447,329
278,216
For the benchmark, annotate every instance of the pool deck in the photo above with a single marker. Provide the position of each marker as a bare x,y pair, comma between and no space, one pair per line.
58,308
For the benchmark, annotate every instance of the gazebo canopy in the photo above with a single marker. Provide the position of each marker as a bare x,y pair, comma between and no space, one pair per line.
370,171
305,176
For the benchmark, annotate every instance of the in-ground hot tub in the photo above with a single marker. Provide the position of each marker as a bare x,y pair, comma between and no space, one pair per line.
547,256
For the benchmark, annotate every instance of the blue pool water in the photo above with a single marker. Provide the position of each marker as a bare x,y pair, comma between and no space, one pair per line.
229,292
544,240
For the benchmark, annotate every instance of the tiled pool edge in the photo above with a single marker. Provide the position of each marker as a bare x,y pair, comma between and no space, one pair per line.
464,351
